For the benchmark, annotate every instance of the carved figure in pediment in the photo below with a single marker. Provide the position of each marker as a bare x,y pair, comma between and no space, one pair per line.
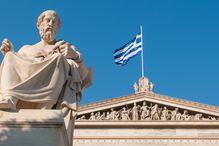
114,115
103,116
117,116
107,116
211,118
186,116
198,117
151,105
159,112
145,112
165,114
92,116
134,112
125,114
99,116
178,116
173,114
155,112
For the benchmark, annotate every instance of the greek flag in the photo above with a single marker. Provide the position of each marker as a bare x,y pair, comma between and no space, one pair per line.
124,54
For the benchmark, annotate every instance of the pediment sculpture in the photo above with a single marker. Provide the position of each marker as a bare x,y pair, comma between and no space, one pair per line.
146,111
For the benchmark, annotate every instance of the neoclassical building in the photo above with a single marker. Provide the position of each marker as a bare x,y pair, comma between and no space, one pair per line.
147,119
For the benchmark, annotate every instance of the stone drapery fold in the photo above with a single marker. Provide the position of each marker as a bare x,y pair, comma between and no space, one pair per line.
40,82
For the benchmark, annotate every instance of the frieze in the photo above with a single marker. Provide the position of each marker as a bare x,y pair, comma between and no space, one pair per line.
146,111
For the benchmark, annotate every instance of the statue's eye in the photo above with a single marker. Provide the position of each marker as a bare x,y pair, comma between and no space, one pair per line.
47,20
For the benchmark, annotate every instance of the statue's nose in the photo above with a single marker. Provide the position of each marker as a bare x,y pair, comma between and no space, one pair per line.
51,23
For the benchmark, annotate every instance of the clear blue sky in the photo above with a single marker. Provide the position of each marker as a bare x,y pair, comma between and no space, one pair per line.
181,42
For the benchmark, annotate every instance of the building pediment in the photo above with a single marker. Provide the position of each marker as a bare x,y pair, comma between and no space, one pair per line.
147,106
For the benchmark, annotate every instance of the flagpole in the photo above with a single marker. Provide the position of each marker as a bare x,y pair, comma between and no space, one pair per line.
142,55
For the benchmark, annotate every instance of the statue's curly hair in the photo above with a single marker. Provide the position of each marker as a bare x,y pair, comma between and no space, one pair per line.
42,15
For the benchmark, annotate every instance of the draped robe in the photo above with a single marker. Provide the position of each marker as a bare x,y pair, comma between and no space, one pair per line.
53,82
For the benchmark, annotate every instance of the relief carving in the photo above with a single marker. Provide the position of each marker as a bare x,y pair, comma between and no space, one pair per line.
146,112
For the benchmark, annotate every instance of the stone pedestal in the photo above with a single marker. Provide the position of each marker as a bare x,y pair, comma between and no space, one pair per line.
33,128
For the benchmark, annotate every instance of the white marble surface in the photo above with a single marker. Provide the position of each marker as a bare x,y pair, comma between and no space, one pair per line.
195,133
32,128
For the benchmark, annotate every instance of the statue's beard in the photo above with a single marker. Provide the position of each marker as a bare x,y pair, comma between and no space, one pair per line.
47,35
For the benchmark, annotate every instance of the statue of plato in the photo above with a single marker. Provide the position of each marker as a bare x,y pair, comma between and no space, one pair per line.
47,75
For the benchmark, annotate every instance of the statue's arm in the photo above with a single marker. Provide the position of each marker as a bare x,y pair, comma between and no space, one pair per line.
85,73
69,51
79,59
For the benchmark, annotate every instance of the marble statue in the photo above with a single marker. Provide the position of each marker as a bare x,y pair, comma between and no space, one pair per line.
125,114
98,116
47,75
164,114
212,118
143,84
178,116
155,113
173,114
134,112
145,113
151,85
107,116
103,116
186,116
198,117
92,116
114,115
135,87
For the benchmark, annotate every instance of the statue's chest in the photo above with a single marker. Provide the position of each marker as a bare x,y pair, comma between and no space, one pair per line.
39,52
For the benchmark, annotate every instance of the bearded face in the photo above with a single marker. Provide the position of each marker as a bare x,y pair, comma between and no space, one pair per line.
48,28
47,33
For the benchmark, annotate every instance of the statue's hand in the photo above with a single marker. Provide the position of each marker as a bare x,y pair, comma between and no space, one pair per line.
69,51
6,46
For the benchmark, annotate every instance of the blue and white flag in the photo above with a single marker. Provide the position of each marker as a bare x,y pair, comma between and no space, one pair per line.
134,47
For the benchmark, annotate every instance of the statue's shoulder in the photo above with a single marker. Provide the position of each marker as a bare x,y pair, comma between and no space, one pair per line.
24,49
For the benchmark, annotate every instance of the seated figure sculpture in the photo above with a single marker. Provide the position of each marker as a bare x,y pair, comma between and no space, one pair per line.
47,75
